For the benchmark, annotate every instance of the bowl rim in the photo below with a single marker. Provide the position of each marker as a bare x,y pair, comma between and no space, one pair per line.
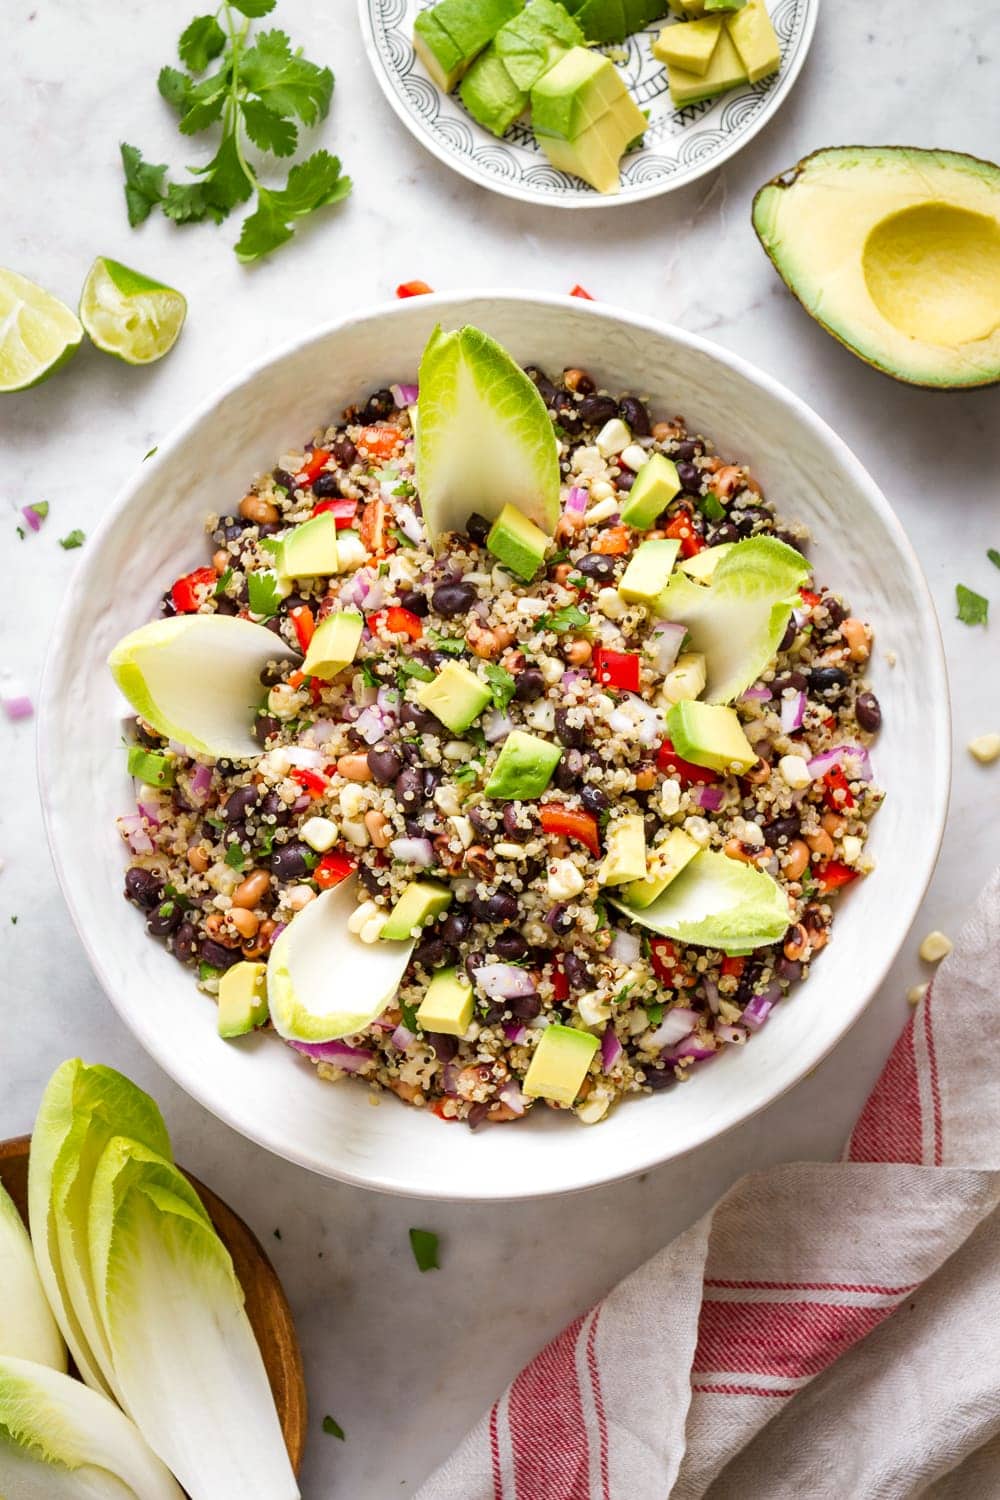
780,93
191,1080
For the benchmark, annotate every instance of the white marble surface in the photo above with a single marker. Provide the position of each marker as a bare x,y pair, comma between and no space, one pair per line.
406,1362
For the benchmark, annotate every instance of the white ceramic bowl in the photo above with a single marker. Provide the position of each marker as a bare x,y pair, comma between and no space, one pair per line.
154,532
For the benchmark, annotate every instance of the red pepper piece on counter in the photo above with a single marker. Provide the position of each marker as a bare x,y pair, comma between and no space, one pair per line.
398,621
681,528
310,781
833,875
342,509
313,467
579,291
617,669
413,289
333,868
687,773
304,622
580,826
837,794
190,592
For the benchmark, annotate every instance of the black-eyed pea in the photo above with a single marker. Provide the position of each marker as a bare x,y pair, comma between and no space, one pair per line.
797,858
796,946
855,633
578,651
198,859
354,768
221,560
245,923
252,889
820,843
378,828
261,512
834,824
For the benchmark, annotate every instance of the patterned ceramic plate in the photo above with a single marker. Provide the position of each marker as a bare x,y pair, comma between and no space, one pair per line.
679,145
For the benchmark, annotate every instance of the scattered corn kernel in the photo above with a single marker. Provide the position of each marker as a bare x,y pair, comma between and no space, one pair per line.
633,457
602,511
916,993
934,947
985,748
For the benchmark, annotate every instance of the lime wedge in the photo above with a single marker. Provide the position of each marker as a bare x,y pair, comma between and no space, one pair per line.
128,315
38,333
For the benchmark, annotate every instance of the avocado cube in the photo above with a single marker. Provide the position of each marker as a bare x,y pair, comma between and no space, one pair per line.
559,1064
574,94
590,157
702,566
666,862
311,549
648,569
724,72
755,39
420,903
242,999
523,768
442,57
452,33
490,94
614,20
709,735
153,769
457,696
334,643
533,41
517,542
447,1003
655,486
690,46
625,851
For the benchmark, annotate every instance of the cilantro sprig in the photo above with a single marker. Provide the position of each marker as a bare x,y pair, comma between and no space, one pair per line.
502,685
259,94
973,609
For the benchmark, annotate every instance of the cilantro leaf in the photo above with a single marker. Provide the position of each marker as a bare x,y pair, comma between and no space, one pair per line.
269,131
174,86
235,857
502,685
424,1244
200,41
190,203
73,539
410,1017
415,669
262,592
973,609
225,178
451,645
284,80
312,184
570,617
205,101
330,1427
253,8
994,556
143,183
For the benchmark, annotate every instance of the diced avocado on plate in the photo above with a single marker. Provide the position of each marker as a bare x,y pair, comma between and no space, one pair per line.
334,644
716,902
625,851
559,1064
724,72
457,696
310,550
896,252
148,766
496,88
242,999
447,1004
704,563
517,542
648,569
707,734
490,94
605,21
420,903
654,487
484,436
585,119
666,862
523,768
755,39
449,35
690,46
196,679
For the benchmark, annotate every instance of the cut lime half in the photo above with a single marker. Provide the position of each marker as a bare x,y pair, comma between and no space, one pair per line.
38,333
128,315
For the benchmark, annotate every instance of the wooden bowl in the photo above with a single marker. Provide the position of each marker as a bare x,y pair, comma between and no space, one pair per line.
266,1304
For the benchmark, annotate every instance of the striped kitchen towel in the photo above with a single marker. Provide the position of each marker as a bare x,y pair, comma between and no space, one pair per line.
829,1331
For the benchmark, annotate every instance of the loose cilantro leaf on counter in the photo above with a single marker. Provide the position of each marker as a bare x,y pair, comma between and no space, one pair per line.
424,1244
994,556
259,92
333,1429
973,609
73,539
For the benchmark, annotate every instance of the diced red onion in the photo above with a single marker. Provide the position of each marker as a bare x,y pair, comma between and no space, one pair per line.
793,711
736,1035
512,1096
688,1050
676,1024
759,693
301,803
408,521
576,501
574,675
800,616
712,996
133,830
375,597
710,798
305,758
859,755
504,981
413,852
516,1033
497,726
611,1049
404,395
758,1009
350,1059
387,699
200,784
151,813
827,759
449,1078
625,947
402,1038
278,930
32,517
372,724
665,638
19,706
321,731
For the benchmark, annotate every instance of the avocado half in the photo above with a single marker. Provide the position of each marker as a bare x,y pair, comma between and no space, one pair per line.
896,252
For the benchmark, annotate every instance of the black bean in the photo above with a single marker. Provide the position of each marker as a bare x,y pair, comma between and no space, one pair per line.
568,771
596,410
827,681
633,412
164,919
415,828
686,450
143,887
344,452
185,943
568,412
796,543
624,481
415,600
513,825
434,954
290,861
751,519
369,879
784,828
510,946
593,799
275,811
472,962
689,476
453,598
147,736
502,907
432,780
525,1007
834,608
482,819
869,712
420,719
233,528
542,383
724,532
167,605
455,927
444,1046
530,685
558,918
272,674
217,955
796,680
791,631
264,726
578,975
282,477
269,528
572,735
598,566
326,486
384,763
658,1078
477,529
409,787
789,969
226,606
379,404
240,804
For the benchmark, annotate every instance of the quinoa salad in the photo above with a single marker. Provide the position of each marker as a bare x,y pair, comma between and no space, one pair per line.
358,780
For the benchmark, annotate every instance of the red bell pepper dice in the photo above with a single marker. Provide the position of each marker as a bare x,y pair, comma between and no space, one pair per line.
581,826
398,621
617,669
579,291
837,792
682,529
663,958
686,771
333,868
313,467
413,289
305,625
313,783
833,875
190,592
342,509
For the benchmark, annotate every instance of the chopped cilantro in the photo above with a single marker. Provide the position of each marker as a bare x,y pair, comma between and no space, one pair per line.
468,772
235,857
570,617
502,685
74,538
20,532
368,675
424,1244
415,669
404,488
557,557
400,535
973,609
150,453
206,972
263,594
224,582
332,1428
654,1013
13,920
409,1016
266,844
991,553
710,506
450,645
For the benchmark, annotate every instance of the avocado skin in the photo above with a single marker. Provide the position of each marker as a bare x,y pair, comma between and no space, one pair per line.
787,179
